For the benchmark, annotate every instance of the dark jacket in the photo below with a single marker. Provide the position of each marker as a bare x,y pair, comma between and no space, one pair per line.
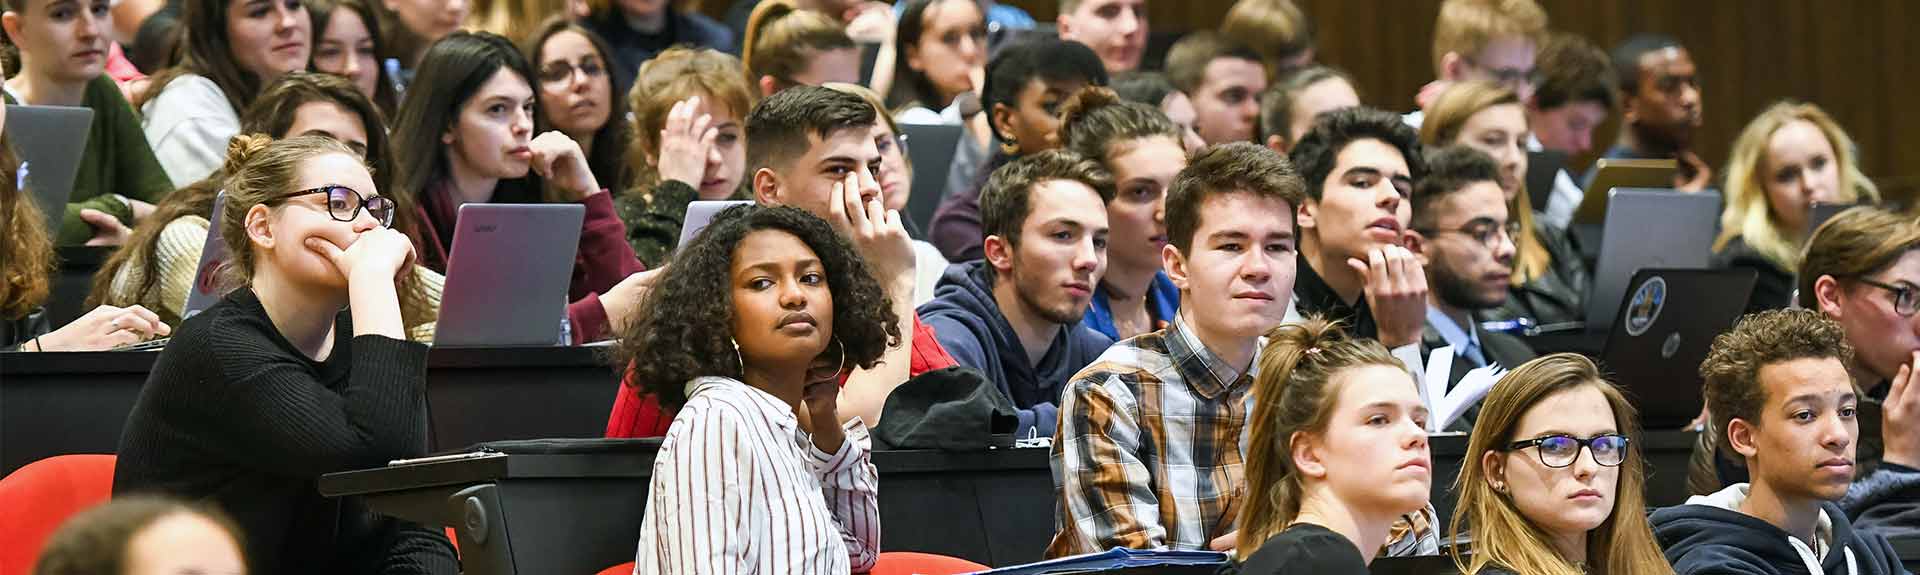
1312,296
632,47
1507,351
1886,501
956,223
1707,535
1772,286
967,321
1559,295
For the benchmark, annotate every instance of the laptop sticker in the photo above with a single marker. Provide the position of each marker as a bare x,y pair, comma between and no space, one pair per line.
1645,306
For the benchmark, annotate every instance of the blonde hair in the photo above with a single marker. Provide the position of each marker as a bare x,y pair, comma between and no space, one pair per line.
1466,26
1749,215
260,170
1446,117
1276,29
1293,395
782,39
1501,535
514,19
679,73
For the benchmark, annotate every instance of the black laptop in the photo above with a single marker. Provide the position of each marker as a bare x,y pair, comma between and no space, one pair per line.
1667,320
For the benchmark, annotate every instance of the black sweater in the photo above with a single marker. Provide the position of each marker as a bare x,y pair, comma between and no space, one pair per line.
234,415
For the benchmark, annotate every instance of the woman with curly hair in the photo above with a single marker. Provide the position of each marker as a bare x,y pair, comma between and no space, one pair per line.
755,472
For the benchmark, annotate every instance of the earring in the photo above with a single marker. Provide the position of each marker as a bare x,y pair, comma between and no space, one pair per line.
1009,146
1500,487
843,356
736,356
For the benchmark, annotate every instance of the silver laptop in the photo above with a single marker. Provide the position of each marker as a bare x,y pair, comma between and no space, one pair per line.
50,141
1648,228
699,214
206,288
508,274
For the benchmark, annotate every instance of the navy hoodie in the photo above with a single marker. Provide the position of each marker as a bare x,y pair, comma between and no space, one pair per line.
1710,535
967,321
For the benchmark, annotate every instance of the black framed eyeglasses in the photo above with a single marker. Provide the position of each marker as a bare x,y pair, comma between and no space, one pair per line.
344,203
1560,450
1485,232
1906,300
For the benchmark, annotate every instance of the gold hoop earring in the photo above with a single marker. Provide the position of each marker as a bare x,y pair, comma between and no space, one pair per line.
1010,146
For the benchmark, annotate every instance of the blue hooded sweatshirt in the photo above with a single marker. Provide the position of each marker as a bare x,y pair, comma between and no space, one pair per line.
968,323
1710,535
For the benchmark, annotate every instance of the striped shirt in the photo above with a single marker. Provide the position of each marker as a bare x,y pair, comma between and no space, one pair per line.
738,487
1151,446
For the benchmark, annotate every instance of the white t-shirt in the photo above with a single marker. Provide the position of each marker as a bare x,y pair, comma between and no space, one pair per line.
188,126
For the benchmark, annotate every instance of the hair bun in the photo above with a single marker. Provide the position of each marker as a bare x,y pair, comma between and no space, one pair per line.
242,149
1307,337
1083,103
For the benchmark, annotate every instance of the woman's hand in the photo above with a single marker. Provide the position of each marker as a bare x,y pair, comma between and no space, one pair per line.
377,255
822,399
106,327
107,230
686,143
558,158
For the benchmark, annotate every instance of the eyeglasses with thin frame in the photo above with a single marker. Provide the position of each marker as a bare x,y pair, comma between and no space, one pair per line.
1488,234
1560,450
344,203
1906,299
560,72
1510,77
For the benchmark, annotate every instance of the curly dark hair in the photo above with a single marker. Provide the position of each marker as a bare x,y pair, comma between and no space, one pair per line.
1317,151
1732,369
684,326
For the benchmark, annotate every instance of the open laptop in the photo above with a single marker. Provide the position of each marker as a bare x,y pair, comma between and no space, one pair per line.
699,214
1610,174
931,147
508,274
50,141
1668,319
1648,228
213,256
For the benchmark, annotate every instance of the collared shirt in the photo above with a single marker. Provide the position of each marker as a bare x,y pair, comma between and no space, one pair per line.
738,487
1151,446
1312,296
1465,340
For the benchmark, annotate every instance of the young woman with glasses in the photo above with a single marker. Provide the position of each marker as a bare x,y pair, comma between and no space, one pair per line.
1552,483
579,97
304,370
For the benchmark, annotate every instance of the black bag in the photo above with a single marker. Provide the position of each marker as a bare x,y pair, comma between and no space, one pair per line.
952,409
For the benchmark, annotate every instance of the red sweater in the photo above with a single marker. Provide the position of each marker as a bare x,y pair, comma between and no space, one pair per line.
638,414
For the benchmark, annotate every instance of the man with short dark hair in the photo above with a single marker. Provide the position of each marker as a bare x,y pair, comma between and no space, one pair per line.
1015,315
1465,240
1224,80
1114,29
1575,92
1660,107
1781,399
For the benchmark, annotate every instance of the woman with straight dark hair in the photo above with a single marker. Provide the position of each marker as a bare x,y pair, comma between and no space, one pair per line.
465,135
578,96
942,47
347,43
232,50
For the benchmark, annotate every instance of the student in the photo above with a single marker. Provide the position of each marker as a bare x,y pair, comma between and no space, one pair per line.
464,135
1026,83
1153,89
673,157
1288,107
1790,157
159,264
1550,278
1015,315
1338,453
191,110
757,471
414,25
26,252
577,96
1224,79
787,46
257,397
346,43
143,534
1114,29
1575,93
1464,240
1780,397
1141,148
1276,29
943,54
1554,479
1359,165
1485,41
1181,396
638,30
896,187
118,179
813,149
1660,107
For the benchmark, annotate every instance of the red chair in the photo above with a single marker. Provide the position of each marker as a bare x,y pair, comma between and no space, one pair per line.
621,569
911,563
39,497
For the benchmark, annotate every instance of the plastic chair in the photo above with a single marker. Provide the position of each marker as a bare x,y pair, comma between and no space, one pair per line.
621,569
911,563
40,497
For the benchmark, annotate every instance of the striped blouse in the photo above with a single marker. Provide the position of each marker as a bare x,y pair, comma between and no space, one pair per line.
738,487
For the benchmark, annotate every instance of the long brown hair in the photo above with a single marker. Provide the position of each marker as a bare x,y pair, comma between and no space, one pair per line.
207,51
1293,395
1502,537
1445,118
384,94
26,250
